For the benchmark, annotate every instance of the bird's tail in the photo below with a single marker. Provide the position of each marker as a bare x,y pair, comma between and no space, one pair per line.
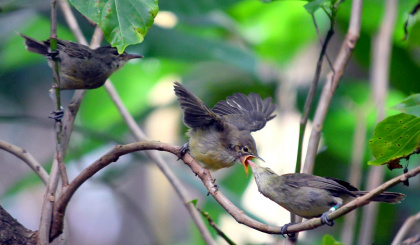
388,197
35,46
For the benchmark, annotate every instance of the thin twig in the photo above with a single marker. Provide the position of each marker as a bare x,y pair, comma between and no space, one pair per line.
208,181
308,107
68,122
331,84
359,144
27,157
162,165
379,82
215,227
72,22
311,93
406,228
49,197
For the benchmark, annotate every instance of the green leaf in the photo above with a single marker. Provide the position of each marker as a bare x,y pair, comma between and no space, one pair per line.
313,6
329,240
123,22
194,202
394,138
411,105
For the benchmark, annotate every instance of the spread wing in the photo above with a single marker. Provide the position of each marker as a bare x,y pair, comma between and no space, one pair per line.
245,112
196,113
329,184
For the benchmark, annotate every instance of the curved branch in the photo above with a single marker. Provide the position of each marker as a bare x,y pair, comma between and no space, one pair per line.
405,228
27,158
207,180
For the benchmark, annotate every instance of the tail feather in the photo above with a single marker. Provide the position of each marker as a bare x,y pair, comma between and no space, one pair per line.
388,197
35,46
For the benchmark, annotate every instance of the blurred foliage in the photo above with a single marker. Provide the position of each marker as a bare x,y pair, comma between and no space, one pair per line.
411,105
329,240
217,48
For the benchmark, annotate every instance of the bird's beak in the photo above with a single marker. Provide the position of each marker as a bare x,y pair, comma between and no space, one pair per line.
133,56
244,160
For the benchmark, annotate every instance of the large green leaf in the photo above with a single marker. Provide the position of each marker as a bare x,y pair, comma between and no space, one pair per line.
123,22
395,138
411,105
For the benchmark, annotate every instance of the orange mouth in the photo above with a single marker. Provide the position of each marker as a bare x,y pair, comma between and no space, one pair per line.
244,161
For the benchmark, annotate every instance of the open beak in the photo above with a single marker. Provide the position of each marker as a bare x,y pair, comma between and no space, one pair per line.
244,160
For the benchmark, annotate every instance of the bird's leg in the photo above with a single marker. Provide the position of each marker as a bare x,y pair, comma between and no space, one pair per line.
53,54
405,182
216,187
324,216
57,115
184,149
284,230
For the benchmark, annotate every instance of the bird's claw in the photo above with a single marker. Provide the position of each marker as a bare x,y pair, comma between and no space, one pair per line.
284,230
57,115
326,220
184,149
216,188
53,54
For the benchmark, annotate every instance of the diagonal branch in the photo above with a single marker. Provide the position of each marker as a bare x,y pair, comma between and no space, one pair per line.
331,84
379,76
208,181
27,158
409,223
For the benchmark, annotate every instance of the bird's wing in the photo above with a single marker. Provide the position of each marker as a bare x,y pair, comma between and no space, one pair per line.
196,113
329,184
75,50
245,112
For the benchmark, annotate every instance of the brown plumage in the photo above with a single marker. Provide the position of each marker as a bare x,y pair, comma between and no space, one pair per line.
80,67
221,136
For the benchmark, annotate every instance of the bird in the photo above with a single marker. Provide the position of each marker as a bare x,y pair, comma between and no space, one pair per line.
310,196
80,67
221,136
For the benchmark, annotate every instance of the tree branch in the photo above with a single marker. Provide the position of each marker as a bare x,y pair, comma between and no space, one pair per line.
68,122
208,181
137,132
405,228
13,232
27,158
331,84
379,72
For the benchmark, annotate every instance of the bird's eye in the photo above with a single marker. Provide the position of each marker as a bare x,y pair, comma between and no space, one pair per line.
245,149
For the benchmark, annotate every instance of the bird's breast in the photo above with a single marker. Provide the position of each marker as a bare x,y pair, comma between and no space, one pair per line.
209,148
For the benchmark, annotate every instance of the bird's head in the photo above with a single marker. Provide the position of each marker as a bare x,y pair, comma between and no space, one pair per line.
244,148
115,60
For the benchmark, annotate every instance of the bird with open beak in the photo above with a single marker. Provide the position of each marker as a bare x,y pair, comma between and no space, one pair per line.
309,195
221,136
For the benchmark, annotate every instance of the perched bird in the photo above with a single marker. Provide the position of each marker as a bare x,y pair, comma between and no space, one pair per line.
311,196
80,67
221,136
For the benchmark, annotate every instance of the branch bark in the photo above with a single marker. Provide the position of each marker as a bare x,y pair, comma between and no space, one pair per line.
208,181
13,232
